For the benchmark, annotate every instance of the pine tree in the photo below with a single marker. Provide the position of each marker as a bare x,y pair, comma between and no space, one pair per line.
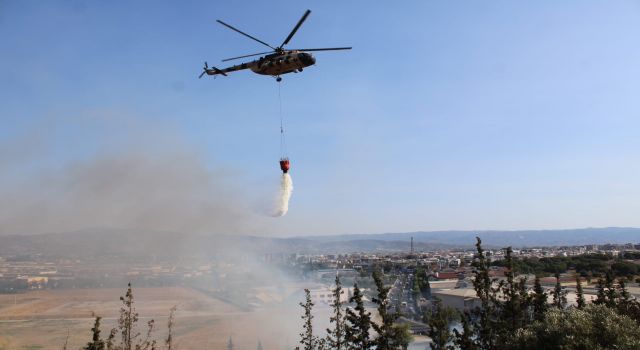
439,326
336,336
580,293
526,301
627,305
401,336
96,342
464,339
514,307
169,341
623,292
66,341
607,293
611,292
540,304
307,339
617,297
127,321
601,298
559,295
111,339
385,330
358,323
148,343
485,314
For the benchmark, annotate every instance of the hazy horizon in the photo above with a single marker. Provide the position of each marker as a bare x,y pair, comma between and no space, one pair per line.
107,230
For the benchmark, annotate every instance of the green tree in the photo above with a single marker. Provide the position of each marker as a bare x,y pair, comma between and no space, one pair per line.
385,330
111,340
127,321
464,339
580,293
559,295
441,317
486,323
169,341
607,293
96,341
515,305
402,336
593,327
127,327
358,323
336,335
540,304
624,268
148,343
611,291
307,339
601,297
627,305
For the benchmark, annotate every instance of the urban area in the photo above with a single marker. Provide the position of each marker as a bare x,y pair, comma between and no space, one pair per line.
417,281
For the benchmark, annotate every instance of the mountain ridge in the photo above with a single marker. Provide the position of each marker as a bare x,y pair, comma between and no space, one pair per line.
121,242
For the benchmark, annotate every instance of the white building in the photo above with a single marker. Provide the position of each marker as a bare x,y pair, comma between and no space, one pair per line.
324,295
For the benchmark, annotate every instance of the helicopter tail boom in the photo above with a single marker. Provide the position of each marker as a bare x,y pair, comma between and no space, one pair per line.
218,71
211,71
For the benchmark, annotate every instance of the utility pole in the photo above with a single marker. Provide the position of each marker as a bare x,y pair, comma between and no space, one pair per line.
412,245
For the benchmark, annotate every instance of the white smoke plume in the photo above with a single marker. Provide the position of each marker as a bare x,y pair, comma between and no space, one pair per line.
137,178
282,202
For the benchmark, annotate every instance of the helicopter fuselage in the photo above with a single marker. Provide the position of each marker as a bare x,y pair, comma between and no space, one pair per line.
275,64
278,64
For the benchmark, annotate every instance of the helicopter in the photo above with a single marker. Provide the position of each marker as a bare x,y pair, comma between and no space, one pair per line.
275,63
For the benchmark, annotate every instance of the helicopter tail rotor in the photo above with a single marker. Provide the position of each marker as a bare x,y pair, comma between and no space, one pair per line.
204,70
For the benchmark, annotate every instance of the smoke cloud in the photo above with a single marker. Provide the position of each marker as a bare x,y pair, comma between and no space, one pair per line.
143,180
282,202
171,201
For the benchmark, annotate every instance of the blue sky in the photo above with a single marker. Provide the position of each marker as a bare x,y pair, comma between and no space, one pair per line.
445,115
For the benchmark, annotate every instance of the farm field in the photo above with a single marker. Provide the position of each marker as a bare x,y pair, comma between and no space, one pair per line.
43,319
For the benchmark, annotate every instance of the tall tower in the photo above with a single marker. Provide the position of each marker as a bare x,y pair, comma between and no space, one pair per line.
412,245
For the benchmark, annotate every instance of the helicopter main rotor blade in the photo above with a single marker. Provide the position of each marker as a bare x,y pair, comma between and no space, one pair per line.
255,54
245,34
295,29
324,49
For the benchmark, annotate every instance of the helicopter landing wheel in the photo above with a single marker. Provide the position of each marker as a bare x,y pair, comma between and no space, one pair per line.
278,79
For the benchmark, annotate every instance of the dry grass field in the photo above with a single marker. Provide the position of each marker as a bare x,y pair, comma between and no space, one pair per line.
42,319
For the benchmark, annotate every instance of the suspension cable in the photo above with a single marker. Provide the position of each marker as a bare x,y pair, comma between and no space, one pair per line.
283,143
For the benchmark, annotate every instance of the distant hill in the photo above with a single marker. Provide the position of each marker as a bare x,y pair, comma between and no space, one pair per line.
130,243
112,243
522,238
